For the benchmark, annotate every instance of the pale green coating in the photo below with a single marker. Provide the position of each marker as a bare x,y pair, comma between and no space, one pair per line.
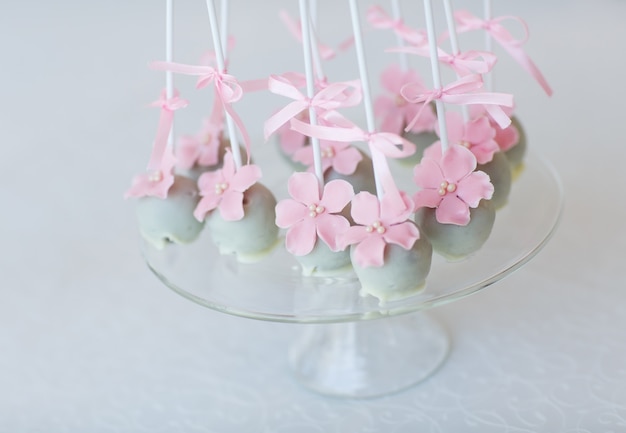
421,140
402,275
361,180
324,262
255,234
500,174
516,153
453,241
170,219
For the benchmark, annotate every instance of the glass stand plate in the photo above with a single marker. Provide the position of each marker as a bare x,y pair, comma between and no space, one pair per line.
274,288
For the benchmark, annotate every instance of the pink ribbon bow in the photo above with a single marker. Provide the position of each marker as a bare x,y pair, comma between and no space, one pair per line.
167,106
329,98
381,144
500,34
379,19
460,92
227,90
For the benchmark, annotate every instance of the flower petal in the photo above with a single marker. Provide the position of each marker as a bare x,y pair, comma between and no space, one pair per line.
346,161
395,211
231,206
428,174
365,208
453,210
301,237
455,126
427,198
479,130
370,252
330,227
206,205
208,180
404,234
304,188
337,195
228,169
187,151
246,176
352,235
457,162
289,212
475,187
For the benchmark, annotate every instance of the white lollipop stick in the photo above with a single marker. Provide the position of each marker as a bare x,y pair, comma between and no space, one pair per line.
434,64
317,58
310,87
219,59
454,43
403,58
488,44
224,26
365,84
169,57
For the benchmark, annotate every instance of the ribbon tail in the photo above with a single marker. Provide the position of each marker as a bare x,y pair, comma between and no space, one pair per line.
413,121
254,85
527,64
241,127
160,142
283,116
498,115
384,177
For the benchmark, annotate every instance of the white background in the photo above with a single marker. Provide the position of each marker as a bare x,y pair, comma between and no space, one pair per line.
90,341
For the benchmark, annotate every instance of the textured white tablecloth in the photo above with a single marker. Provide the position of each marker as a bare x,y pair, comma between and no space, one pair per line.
90,341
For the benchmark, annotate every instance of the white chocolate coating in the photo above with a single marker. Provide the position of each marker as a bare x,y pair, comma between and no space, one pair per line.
170,220
453,241
252,237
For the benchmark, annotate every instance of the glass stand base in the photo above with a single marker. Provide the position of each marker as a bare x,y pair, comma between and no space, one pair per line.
369,358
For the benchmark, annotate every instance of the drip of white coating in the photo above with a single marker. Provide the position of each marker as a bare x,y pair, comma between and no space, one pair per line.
310,86
365,84
403,58
169,57
219,59
454,45
434,63
488,44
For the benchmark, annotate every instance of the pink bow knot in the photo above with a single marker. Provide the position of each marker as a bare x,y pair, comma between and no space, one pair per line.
227,90
460,92
329,98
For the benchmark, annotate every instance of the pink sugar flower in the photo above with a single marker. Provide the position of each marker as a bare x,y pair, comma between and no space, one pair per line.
155,183
378,224
393,108
342,157
477,135
201,149
223,189
451,185
505,138
308,216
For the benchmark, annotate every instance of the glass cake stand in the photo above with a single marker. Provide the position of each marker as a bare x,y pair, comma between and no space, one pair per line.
344,351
